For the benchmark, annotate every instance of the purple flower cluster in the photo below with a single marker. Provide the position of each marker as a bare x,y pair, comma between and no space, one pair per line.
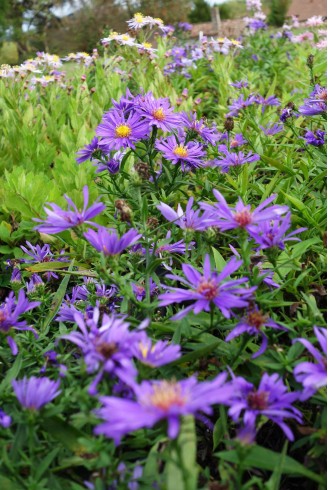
108,346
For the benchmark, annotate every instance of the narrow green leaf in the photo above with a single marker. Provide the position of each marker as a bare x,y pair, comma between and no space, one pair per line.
57,301
181,469
265,459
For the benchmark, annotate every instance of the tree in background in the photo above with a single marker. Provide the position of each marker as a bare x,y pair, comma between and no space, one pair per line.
171,11
278,11
25,22
201,12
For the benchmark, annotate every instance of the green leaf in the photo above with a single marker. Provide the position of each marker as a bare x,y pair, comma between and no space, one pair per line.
65,433
45,463
196,354
12,373
181,469
265,459
6,484
57,300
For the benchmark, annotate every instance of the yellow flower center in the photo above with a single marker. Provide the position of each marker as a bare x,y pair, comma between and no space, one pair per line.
147,45
167,394
139,18
158,20
180,151
159,114
220,39
235,42
123,131
125,37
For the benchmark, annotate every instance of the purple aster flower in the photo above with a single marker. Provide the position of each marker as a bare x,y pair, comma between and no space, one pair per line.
16,276
270,400
188,220
155,355
158,400
188,155
33,393
287,113
108,242
234,159
66,313
253,324
5,420
34,284
158,112
41,255
121,131
207,289
185,26
313,108
106,348
241,216
256,24
237,140
11,310
240,104
316,138
273,129
208,134
90,151
313,375
316,103
112,165
272,100
240,84
59,220
268,234
139,290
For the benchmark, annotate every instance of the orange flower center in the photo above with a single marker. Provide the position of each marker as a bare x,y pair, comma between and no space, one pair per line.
181,151
159,114
123,131
167,394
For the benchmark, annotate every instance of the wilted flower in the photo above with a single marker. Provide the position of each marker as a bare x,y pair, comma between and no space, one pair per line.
33,393
270,400
209,288
158,400
59,220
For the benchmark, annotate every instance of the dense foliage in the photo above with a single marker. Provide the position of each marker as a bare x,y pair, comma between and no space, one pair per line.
163,263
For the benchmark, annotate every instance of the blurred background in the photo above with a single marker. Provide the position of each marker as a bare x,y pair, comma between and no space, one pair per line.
63,26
